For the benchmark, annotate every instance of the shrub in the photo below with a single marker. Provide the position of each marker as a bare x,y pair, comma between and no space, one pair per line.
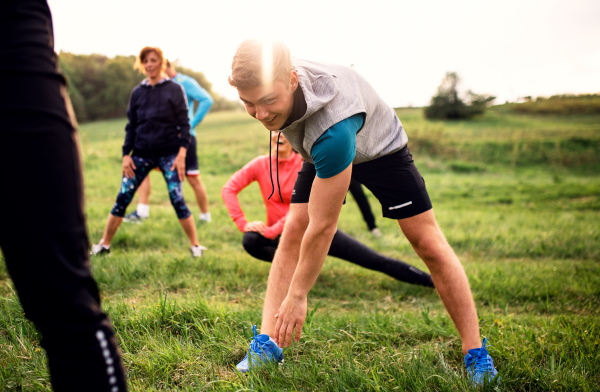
447,105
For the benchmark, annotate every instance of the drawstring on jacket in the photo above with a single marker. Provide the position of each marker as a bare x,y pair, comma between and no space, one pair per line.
271,170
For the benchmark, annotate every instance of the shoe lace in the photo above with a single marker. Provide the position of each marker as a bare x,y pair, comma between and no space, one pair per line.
255,345
271,170
483,362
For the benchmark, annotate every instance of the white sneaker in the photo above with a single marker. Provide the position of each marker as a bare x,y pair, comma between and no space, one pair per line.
99,250
205,218
198,250
376,232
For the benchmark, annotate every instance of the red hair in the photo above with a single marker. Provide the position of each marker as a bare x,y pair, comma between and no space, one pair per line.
144,53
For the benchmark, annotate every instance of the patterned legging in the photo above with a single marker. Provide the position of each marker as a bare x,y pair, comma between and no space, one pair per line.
142,168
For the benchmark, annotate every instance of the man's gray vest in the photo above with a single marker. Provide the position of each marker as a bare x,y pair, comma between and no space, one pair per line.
334,93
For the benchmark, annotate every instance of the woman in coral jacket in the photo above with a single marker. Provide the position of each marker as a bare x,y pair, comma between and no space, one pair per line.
260,240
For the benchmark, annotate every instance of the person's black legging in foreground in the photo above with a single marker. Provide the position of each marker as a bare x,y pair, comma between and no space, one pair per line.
47,255
346,248
361,199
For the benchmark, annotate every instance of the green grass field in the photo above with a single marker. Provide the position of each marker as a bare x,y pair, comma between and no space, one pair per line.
524,221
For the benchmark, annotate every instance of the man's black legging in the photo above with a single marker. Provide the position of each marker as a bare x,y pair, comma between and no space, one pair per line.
346,248
361,199
46,253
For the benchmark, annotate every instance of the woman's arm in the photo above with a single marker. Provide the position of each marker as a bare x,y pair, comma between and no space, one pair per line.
240,180
271,232
205,101
180,109
183,126
131,126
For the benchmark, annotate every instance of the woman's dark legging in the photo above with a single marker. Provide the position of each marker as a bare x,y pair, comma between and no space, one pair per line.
346,248
365,209
143,166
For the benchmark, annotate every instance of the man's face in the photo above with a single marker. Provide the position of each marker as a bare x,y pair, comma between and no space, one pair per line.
272,104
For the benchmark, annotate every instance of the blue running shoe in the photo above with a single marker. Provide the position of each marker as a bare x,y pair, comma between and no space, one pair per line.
262,349
480,366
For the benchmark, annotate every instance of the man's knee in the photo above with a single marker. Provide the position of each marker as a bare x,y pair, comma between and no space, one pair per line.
425,236
432,248
298,220
294,229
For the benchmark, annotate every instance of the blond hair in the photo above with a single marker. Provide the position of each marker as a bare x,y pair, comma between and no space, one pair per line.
247,68
139,62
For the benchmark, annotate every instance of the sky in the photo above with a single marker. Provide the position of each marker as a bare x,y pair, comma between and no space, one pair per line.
508,49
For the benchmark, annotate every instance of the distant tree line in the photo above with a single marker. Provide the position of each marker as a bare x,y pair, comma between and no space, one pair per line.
447,105
99,86
560,105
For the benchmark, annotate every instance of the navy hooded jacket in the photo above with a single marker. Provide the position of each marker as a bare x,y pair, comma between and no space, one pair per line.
158,120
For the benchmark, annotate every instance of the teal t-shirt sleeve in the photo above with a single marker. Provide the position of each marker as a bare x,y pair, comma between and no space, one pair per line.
334,151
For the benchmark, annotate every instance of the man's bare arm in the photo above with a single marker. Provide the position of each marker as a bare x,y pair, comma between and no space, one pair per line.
326,200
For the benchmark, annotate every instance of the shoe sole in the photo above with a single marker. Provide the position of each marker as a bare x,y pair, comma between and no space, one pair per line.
280,363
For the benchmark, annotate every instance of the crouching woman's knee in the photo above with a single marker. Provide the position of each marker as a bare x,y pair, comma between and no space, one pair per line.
250,241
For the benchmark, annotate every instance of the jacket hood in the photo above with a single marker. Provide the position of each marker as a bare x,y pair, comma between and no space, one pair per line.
334,93
319,87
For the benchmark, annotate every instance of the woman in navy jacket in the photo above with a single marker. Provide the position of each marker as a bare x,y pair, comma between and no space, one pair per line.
157,135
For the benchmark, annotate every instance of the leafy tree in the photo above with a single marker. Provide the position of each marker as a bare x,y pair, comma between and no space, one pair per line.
221,103
120,79
447,105
76,98
99,87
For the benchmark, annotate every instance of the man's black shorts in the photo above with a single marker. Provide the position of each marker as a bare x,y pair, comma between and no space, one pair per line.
191,159
393,179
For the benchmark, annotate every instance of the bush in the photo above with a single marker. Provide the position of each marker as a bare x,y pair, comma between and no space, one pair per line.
447,105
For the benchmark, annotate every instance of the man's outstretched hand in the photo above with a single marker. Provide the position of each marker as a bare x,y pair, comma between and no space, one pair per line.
291,315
